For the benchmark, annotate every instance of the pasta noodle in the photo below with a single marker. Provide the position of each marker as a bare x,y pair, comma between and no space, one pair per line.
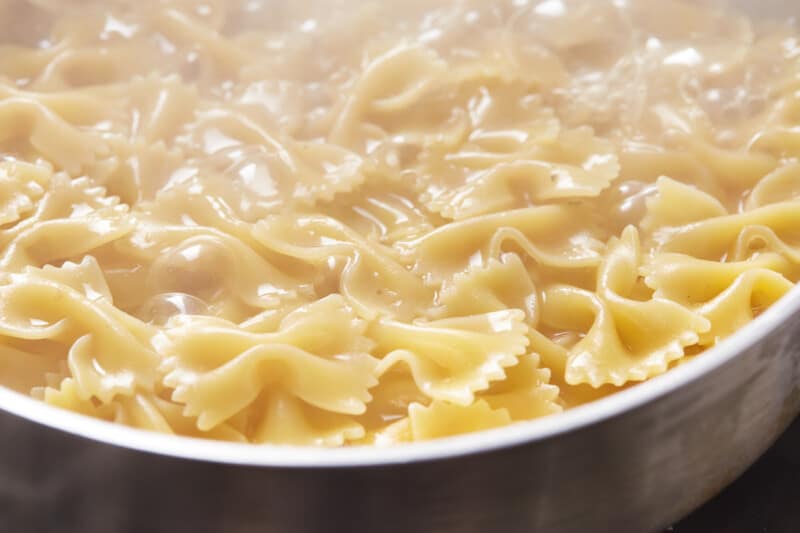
353,222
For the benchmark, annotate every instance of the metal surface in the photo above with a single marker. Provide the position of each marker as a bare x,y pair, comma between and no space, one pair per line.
634,462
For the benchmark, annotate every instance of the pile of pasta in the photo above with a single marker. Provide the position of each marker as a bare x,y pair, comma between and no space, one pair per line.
339,222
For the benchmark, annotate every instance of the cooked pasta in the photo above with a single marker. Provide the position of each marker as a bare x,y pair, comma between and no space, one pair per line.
357,222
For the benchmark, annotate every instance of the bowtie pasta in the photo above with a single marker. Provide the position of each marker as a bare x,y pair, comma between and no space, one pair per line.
360,222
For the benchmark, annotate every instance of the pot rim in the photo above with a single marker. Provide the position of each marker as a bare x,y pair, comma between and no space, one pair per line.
519,433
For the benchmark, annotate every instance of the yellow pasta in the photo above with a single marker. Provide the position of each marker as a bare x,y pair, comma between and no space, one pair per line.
442,419
613,348
451,358
340,223
21,186
217,369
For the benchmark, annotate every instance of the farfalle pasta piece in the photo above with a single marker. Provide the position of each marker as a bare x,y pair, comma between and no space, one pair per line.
212,263
690,281
781,140
78,66
371,280
67,396
156,407
444,104
275,172
452,358
778,186
778,135
398,432
740,169
507,116
138,411
184,28
151,412
761,239
82,107
749,294
390,83
160,106
676,204
104,355
503,283
21,186
625,339
614,349
728,294
187,205
395,391
544,233
139,170
575,165
281,418
142,410
217,369
207,264
64,198
554,357
382,210
526,392
476,103
713,238
73,218
443,419
85,277
64,145
647,163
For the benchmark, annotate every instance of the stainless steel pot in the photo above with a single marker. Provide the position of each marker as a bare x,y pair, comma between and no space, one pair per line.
633,462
